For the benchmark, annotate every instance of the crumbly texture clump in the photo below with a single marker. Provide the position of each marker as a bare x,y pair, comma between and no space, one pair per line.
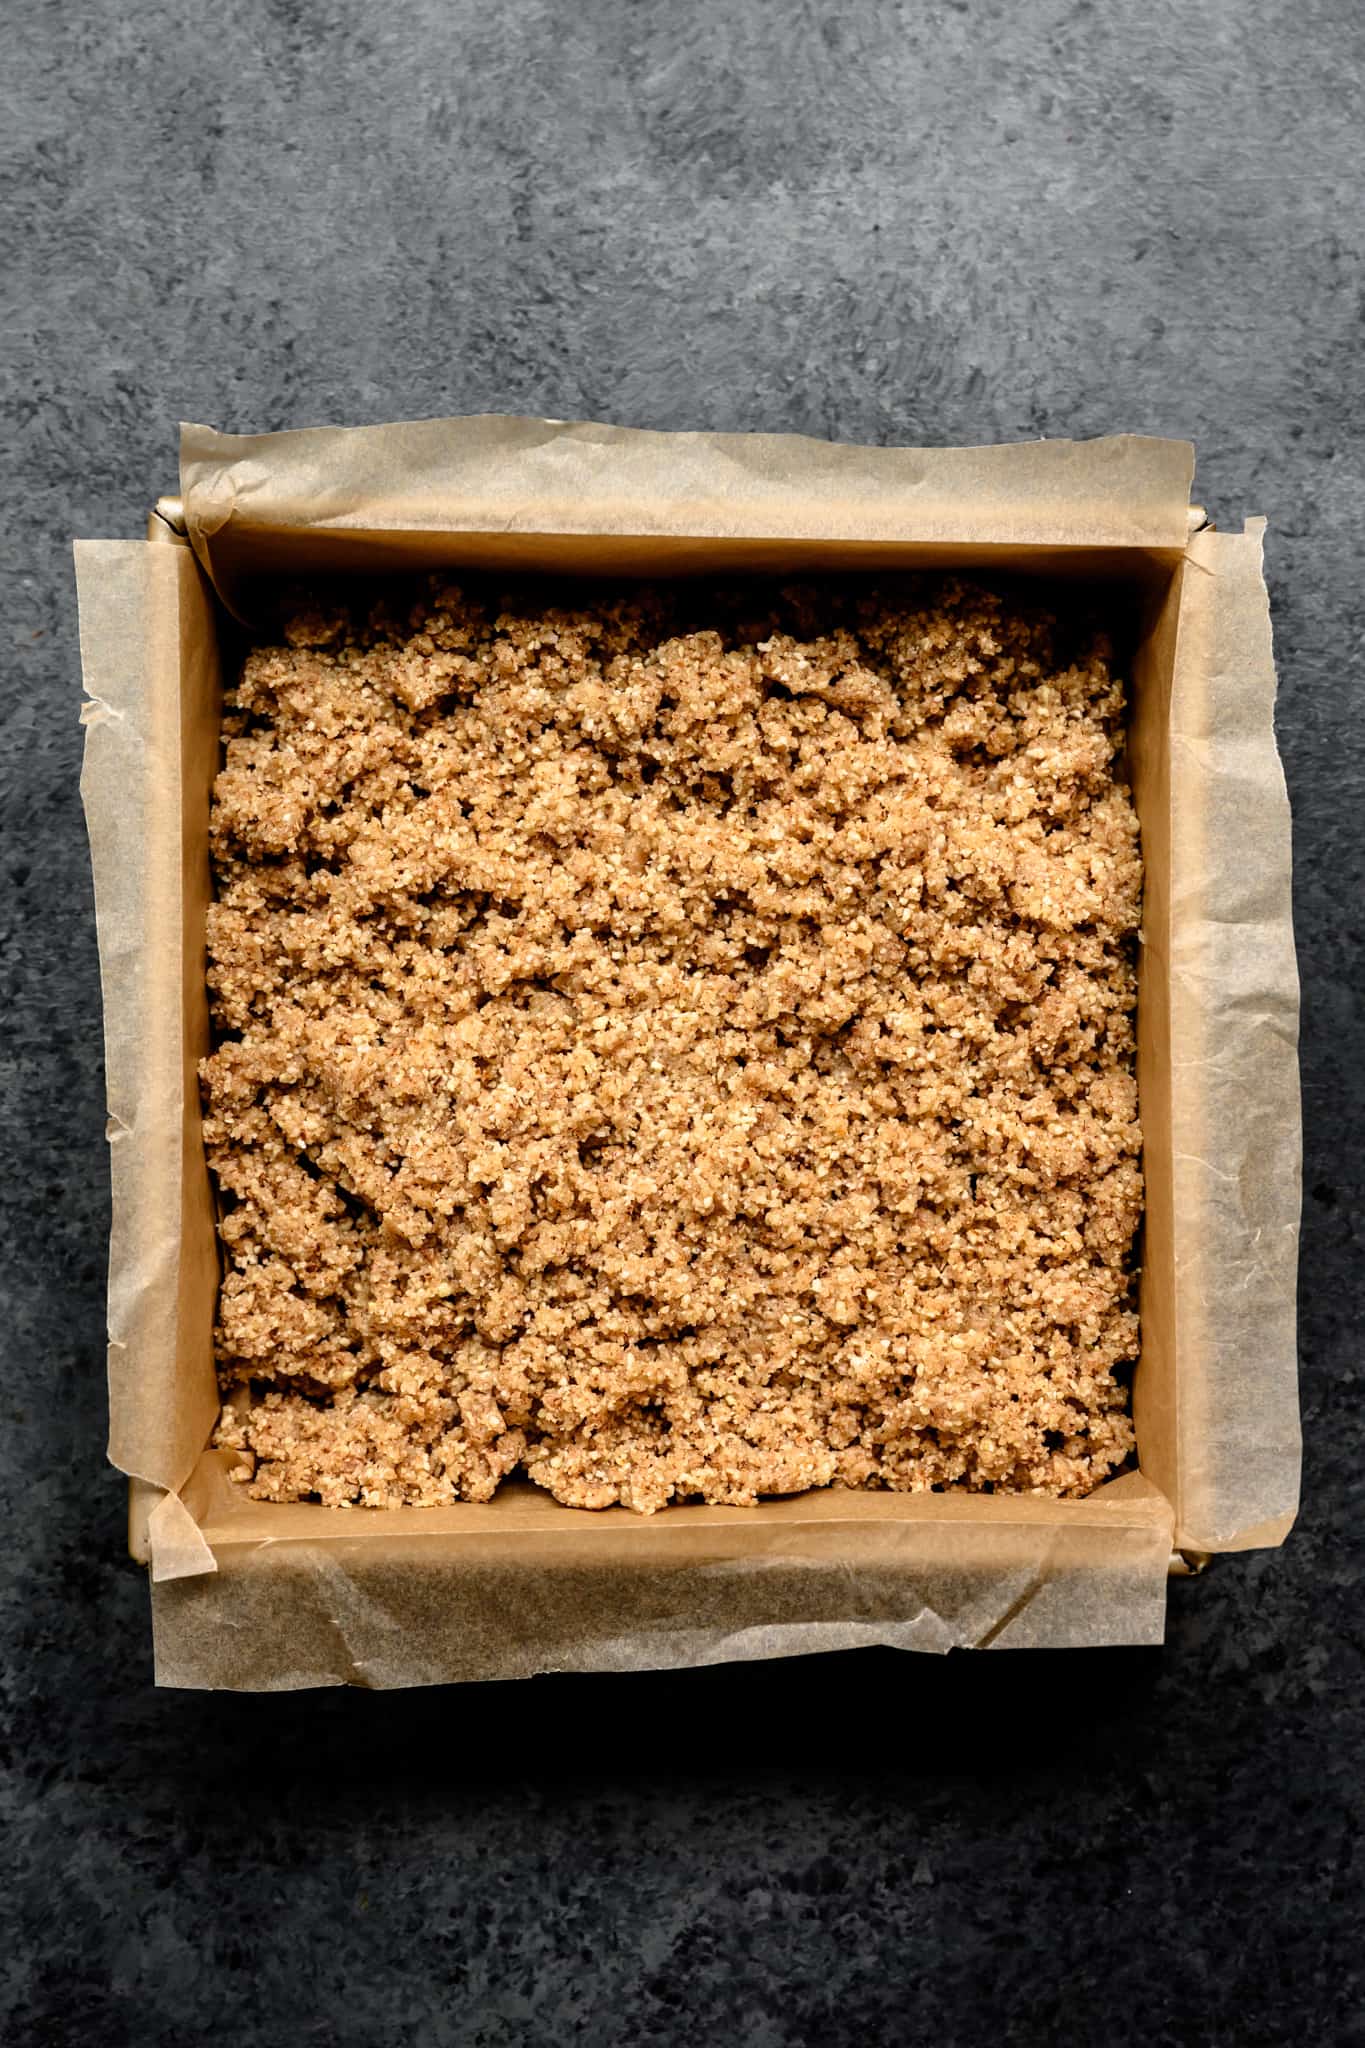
677,1044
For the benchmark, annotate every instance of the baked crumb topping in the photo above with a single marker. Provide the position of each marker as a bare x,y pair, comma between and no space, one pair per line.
680,1045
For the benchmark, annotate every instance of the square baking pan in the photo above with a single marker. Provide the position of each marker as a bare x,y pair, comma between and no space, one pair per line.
257,1595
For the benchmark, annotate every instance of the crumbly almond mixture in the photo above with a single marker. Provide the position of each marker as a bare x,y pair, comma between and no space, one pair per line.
678,1046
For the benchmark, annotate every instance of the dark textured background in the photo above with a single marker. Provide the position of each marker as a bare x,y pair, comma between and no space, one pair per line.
873,220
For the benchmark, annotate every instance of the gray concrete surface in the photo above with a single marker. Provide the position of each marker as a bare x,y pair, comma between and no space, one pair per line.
881,221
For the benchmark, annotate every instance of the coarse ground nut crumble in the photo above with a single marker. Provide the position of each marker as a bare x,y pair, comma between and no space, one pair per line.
678,1044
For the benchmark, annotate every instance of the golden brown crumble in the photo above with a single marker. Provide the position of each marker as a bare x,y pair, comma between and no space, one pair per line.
680,1045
